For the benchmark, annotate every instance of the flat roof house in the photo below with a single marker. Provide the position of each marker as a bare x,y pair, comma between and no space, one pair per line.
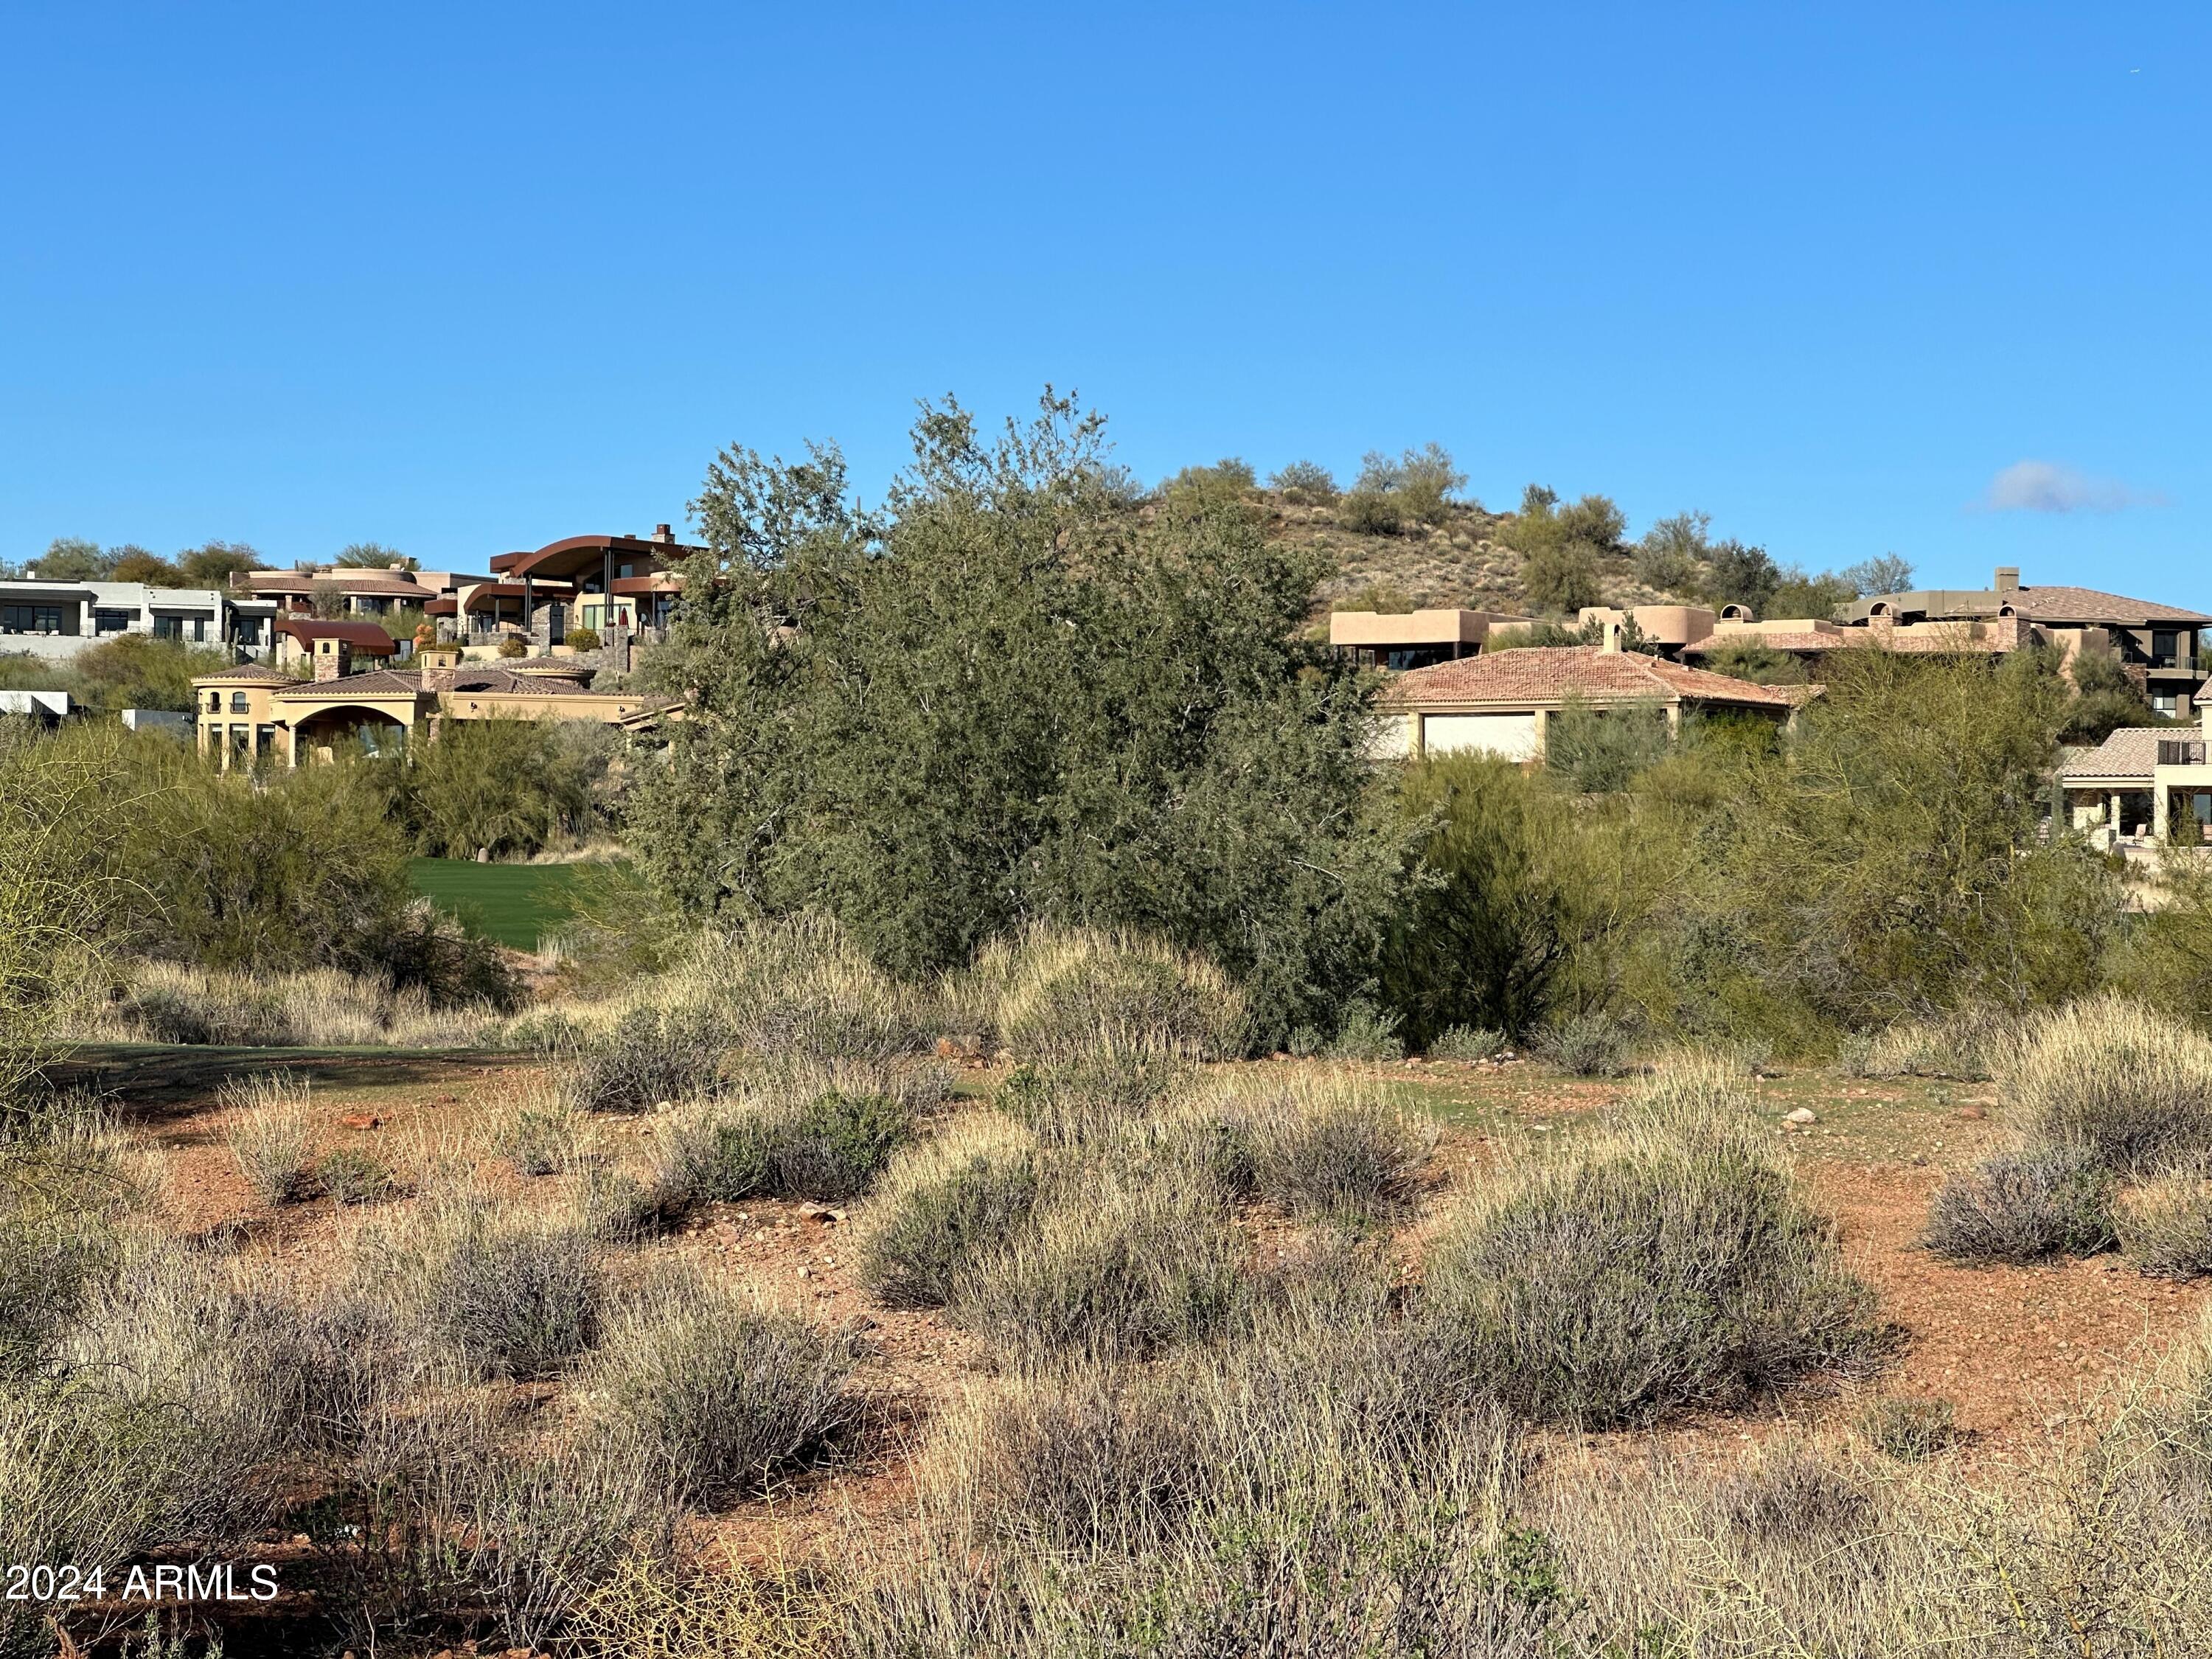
55,620
1415,639
1502,702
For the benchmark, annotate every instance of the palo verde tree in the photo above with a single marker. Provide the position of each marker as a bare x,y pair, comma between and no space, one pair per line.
1010,697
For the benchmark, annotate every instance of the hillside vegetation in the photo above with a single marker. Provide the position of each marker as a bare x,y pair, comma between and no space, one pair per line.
1403,537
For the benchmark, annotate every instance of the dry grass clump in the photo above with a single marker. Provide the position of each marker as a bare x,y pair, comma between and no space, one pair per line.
651,1055
1664,1265
1055,995
797,989
64,1185
792,1138
1259,1497
963,1196
270,1135
1908,1430
1123,1264
1794,1497
722,1393
1968,1045
497,1291
1315,1146
2023,1207
316,1008
1094,1098
2129,1086
546,1135
352,1177
2165,1226
1469,1042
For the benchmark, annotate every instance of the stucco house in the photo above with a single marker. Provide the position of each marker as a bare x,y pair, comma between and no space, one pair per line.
2143,784
1502,701
55,620
255,715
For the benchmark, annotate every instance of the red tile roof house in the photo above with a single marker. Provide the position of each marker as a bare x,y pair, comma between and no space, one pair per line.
1503,701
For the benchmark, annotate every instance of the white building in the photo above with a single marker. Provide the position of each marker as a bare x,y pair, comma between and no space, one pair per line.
55,620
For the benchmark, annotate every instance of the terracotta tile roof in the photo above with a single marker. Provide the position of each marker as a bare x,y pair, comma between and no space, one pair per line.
246,674
2132,751
1546,674
376,683
365,637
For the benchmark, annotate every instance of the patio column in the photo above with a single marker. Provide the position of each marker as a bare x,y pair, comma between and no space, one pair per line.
2115,820
2162,810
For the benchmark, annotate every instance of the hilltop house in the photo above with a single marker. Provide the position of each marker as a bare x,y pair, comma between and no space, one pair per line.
55,620
1502,701
255,715
2143,784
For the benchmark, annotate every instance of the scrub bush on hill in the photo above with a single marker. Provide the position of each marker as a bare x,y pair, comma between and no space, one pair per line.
1011,697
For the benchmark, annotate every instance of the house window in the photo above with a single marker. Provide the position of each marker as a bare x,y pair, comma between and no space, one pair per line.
168,628
215,702
2164,647
238,703
111,621
240,737
265,740
34,619
2165,706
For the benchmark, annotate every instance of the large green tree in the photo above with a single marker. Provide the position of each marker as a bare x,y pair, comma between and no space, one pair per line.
1011,697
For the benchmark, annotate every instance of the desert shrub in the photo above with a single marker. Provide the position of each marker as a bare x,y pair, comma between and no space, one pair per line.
532,1534
2128,1085
1371,513
782,1142
1204,1142
1124,1266
353,1176
963,1194
654,1609
1092,1097
1597,750
1665,1265
649,1056
1058,995
1246,1500
63,1187
797,990
1308,482
2165,1226
1324,1149
722,1393
543,1138
1468,1043
1909,1430
500,1292
1589,1044
513,646
1794,1499
1365,1031
1966,1045
269,1132
581,639
176,1002
2023,1206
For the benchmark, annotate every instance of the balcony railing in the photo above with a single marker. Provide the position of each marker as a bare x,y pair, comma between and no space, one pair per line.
2181,751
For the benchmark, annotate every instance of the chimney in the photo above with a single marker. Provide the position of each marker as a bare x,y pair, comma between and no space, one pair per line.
333,659
661,532
2008,579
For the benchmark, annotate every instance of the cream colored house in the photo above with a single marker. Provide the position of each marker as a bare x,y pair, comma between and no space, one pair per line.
251,715
1502,702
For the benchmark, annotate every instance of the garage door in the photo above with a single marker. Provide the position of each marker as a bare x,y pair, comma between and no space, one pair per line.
1513,736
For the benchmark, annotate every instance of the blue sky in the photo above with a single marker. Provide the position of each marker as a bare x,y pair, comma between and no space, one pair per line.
463,278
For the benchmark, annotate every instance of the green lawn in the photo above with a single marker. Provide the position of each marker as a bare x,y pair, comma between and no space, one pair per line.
512,903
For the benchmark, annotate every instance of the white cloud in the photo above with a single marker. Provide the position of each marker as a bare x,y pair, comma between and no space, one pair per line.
2054,487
